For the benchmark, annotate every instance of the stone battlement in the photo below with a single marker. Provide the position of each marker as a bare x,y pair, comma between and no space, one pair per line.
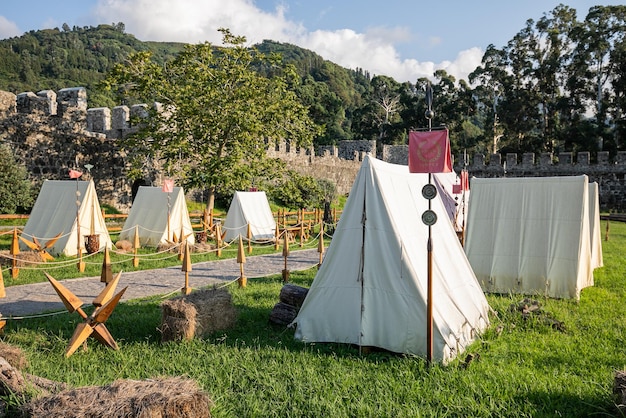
51,132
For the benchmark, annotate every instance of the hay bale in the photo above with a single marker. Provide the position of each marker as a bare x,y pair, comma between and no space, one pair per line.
155,398
124,245
13,355
198,314
24,258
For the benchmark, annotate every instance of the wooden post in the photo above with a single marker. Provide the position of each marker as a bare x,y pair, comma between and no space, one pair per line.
136,247
249,237
15,250
606,234
3,293
276,237
320,244
186,268
218,240
286,254
302,232
106,274
241,259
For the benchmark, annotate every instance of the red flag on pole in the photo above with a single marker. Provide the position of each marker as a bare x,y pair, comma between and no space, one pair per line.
464,180
429,152
168,185
74,174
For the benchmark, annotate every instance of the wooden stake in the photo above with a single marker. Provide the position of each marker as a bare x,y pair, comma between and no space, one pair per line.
106,274
3,293
241,259
606,235
186,268
249,235
218,240
136,247
285,254
276,237
320,244
15,250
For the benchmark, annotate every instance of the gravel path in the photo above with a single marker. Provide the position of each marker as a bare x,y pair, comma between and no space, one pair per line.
41,297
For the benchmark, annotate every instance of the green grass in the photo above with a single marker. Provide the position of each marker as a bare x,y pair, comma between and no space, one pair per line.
528,369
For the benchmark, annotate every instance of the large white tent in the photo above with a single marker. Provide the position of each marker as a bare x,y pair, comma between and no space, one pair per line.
371,289
534,235
249,208
158,217
55,211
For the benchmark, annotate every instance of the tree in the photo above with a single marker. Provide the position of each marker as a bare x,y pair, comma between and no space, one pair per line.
15,190
216,113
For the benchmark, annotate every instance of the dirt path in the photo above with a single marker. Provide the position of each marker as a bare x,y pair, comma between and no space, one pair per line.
40,297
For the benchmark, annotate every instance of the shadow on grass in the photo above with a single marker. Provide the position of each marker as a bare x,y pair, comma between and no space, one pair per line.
563,404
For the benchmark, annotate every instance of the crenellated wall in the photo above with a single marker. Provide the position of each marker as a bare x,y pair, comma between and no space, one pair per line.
51,132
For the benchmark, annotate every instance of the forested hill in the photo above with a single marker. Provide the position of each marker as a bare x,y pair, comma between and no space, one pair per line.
558,85
81,56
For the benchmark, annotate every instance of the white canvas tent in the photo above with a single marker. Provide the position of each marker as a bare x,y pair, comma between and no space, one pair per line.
455,204
249,208
149,215
371,288
594,232
533,235
55,212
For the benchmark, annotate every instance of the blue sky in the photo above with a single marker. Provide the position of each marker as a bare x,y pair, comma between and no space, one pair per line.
399,38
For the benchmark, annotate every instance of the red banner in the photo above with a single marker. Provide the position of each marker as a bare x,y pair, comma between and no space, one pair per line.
74,174
168,186
429,152
464,180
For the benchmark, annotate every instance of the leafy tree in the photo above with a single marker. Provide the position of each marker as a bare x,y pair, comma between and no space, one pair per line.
297,191
216,113
15,191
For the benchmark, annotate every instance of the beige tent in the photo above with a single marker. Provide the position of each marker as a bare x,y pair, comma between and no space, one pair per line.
371,289
55,212
249,208
533,235
158,217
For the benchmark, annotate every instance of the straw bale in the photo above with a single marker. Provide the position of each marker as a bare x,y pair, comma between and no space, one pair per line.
13,355
24,258
172,397
197,315
124,245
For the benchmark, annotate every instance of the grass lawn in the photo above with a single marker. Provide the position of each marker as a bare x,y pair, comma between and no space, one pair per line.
523,368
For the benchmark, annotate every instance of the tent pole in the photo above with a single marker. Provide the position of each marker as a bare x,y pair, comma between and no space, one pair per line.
429,303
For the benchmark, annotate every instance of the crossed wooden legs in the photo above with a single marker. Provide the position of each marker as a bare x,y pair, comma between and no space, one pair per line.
105,303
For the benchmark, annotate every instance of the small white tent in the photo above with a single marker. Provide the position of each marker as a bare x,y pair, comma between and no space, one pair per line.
532,235
158,217
249,208
55,212
371,289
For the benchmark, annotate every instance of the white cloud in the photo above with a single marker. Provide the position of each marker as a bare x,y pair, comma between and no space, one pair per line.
194,21
8,29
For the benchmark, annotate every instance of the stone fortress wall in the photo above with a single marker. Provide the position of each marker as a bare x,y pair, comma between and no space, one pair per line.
51,132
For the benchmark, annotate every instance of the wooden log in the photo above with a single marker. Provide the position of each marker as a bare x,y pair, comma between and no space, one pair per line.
293,295
11,379
283,314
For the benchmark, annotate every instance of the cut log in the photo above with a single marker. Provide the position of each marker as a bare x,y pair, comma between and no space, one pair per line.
11,379
283,314
293,295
